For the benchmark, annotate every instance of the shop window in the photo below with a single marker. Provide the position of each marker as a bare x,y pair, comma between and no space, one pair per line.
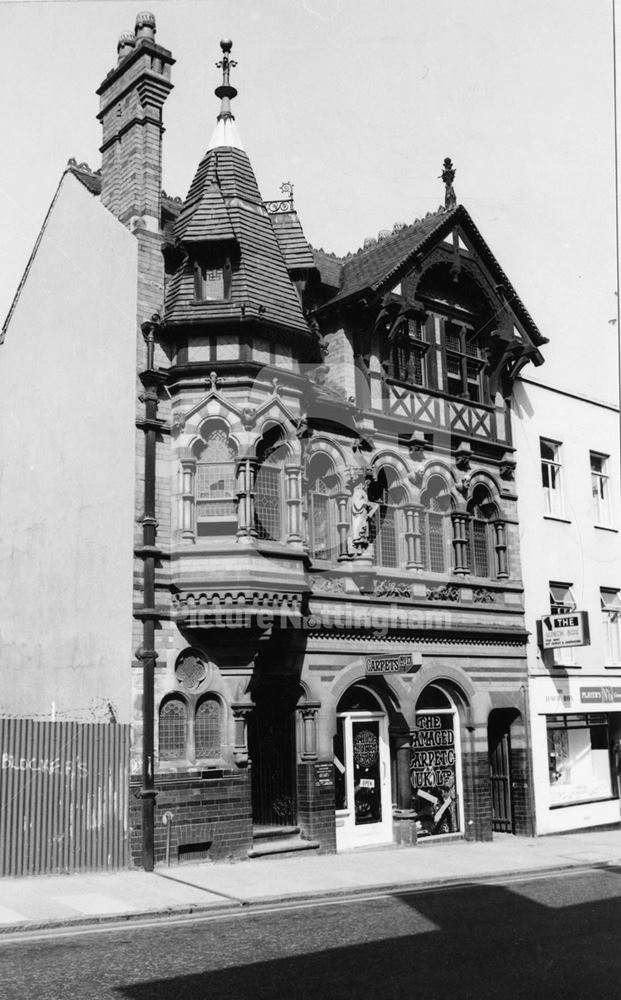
611,620
579,759
600,488
268,491
215,480
435,765
464,362
551,476
207,735
173,729
434,519
562,602
322,482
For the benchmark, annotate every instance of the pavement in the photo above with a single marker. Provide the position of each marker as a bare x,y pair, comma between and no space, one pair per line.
65,900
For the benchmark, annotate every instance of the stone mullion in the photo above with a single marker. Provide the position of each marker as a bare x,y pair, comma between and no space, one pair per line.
342,523
500,547
460,543
293,499
241,711
187,505
413,538
246,472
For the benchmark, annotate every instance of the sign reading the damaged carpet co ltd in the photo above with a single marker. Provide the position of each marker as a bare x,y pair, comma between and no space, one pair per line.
393,663
554,631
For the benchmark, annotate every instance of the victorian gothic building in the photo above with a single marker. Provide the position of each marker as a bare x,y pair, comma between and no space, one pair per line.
303,466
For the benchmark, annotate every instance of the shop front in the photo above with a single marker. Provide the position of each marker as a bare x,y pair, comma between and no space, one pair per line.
576,728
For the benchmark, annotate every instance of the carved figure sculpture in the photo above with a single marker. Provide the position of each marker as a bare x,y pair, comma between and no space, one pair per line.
362,510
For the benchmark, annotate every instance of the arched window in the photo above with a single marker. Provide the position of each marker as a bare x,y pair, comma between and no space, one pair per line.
215,479
268,492
436,776
482,540
387,531
433,524
207,728
322,481
173,729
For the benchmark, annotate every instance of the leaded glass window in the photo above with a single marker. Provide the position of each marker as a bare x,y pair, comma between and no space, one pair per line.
173,729
215,477
207,734
268,514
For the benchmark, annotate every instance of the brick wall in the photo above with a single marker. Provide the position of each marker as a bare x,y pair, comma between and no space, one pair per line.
316,809
211,811
520,797
477,795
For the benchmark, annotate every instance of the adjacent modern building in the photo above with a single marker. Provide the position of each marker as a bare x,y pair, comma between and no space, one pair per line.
262,520
567,478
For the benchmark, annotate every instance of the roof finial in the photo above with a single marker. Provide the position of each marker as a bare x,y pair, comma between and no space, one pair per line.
225,92
448,176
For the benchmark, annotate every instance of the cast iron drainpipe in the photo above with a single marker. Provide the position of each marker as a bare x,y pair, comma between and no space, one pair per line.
151,379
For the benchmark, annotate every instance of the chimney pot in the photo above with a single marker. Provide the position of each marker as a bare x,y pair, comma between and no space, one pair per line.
127,41
383,235
398,226
368,242
145,24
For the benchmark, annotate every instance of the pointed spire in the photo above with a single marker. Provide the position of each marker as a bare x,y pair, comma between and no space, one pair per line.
448,176
225,133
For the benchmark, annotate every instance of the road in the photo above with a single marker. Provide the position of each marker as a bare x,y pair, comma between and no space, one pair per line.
548,937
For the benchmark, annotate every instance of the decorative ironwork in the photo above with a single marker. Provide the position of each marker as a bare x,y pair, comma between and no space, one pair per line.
448,176
446,593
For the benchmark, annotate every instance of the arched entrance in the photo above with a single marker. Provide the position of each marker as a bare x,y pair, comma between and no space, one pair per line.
271,747
362,770
435,772
500,725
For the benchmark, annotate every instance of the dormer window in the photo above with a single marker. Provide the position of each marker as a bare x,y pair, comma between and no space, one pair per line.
212,282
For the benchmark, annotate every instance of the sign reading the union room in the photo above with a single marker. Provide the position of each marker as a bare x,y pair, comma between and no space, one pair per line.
394,663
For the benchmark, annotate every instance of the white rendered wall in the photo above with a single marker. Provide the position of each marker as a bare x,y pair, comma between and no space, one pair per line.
67,412
568,549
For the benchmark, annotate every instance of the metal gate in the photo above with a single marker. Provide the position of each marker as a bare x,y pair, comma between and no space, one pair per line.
271,745
500,777
63,796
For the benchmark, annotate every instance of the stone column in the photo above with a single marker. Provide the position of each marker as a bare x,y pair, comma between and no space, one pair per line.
246,472
460,542
188,472
241,711
500,546
308,712
342,523
413,537
293,498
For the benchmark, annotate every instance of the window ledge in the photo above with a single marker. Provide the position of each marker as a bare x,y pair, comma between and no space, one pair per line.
583,802
557,517
606,527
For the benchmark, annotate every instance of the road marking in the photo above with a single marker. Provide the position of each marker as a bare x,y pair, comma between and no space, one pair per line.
256,909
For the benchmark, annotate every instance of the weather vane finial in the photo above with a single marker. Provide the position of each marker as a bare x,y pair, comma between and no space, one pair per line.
448,176
225,91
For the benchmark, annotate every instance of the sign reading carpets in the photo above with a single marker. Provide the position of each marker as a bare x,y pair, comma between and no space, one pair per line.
557,631
392,663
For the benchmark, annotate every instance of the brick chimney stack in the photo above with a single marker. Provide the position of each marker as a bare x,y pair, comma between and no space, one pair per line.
131,100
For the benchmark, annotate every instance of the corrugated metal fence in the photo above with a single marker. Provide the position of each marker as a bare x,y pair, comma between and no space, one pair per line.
63,796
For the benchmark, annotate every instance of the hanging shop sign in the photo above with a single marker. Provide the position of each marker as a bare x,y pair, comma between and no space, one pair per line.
556,631
393,663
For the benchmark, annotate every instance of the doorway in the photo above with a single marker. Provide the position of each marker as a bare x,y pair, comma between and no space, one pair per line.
271,747
499,743
362,772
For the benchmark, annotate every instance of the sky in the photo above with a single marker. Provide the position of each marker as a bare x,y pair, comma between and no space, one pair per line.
357,103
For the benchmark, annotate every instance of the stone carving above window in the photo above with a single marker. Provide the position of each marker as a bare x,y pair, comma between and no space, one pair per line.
446,593
190,670
392,588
